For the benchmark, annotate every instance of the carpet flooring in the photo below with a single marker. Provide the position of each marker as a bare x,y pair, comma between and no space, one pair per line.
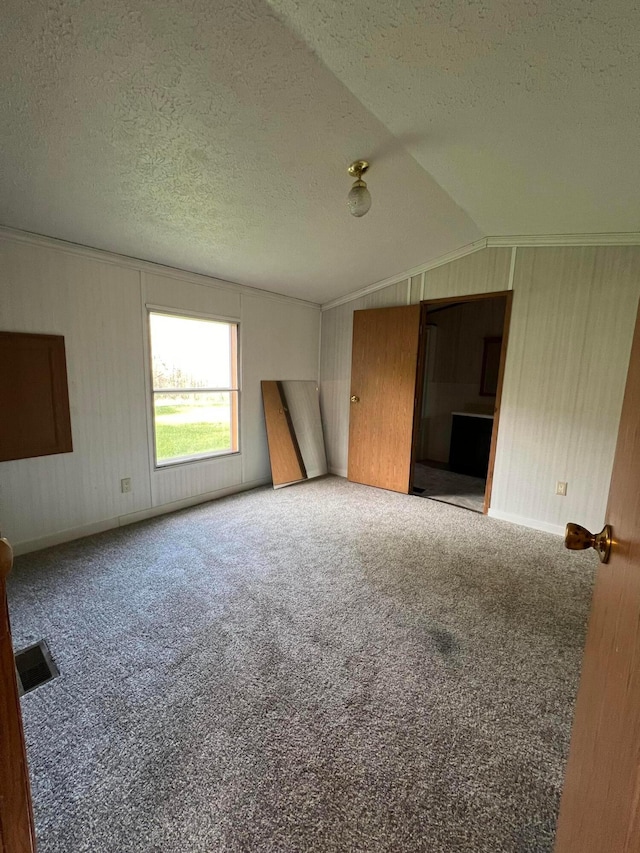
328,667
449,487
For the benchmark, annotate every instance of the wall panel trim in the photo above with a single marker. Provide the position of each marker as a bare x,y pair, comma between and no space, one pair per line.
512,268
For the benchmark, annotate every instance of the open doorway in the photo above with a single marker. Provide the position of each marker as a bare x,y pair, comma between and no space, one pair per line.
463,349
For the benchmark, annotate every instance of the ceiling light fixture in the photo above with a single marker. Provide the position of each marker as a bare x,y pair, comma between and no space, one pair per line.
359,198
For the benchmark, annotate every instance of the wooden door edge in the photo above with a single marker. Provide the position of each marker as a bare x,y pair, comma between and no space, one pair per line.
498,404
17,833
417,404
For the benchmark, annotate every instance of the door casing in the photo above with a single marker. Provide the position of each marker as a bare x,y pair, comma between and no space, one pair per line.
507,295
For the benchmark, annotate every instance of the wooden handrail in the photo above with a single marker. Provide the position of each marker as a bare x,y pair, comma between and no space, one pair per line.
17,833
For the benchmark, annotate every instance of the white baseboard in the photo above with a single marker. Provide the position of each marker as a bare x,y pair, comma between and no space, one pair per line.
557,529
69,535
61,536
72,533
154,511
339,472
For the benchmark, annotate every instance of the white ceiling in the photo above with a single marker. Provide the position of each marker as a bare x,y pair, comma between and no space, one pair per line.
214,136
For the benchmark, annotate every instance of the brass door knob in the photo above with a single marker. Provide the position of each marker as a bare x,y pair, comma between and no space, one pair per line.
355,399
577,538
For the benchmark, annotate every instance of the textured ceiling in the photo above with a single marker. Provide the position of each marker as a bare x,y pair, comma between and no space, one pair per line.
214,136
526,111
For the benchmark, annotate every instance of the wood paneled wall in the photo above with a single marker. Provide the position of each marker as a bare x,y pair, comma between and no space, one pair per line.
571,329
572,324
99,307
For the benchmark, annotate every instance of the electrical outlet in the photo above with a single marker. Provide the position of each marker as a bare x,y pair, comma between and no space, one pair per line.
125,485
561,488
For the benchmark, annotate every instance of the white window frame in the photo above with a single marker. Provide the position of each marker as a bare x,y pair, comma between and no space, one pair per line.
235,363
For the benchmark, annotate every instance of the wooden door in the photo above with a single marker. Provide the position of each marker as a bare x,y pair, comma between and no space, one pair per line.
17,833
600,808
383,389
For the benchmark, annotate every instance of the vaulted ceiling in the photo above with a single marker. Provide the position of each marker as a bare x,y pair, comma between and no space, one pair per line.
215,136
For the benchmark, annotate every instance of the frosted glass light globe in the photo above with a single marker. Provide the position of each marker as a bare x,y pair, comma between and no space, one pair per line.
359,199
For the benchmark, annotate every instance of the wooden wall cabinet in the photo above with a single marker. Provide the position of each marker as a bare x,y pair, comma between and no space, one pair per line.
35,419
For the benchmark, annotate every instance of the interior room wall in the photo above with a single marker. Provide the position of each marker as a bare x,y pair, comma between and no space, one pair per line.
98,303
573,316
481,272
454,383
572,321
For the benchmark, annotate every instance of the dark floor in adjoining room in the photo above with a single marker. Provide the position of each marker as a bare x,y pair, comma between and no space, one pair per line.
445,486
328,667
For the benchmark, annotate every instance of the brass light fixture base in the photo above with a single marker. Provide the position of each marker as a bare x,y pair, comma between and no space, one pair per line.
358,168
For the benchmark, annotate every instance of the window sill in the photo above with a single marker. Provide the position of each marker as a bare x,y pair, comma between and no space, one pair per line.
191,460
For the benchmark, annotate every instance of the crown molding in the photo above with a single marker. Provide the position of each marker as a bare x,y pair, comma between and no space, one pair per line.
623,238
17,236
626,238
469,249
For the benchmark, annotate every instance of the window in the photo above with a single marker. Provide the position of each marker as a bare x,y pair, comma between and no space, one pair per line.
195,387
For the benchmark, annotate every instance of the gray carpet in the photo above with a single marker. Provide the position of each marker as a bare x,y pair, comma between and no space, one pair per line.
327,667
449,487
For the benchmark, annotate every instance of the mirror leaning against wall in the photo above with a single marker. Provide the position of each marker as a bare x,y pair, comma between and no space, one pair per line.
294,430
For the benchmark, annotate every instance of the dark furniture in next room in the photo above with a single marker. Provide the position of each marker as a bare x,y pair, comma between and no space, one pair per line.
470,443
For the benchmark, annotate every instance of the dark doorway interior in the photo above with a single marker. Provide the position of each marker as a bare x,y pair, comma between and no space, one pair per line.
463,351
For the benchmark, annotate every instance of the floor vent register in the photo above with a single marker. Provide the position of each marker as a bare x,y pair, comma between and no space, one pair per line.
35,667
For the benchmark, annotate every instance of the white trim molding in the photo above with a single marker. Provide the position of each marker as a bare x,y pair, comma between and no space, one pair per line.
629,238
533,523
512,267
132,518
469,249
624,238
105,257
